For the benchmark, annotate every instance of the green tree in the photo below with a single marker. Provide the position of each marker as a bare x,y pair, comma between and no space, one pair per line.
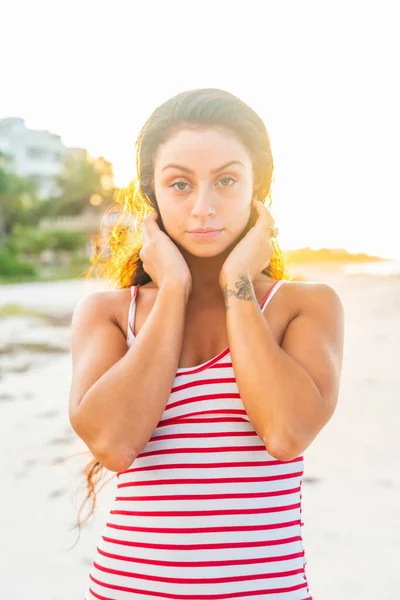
19,201
84,183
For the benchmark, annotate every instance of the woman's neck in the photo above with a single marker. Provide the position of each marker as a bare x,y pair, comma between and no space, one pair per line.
205,273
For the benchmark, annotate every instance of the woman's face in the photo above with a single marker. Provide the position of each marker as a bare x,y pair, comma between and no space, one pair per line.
203,178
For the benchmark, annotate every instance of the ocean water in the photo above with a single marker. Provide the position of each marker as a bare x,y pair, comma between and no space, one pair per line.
389,267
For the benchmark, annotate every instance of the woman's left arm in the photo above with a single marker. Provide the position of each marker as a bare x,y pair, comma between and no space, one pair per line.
290,392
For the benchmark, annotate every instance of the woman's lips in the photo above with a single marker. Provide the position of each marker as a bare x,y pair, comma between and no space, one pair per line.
206,235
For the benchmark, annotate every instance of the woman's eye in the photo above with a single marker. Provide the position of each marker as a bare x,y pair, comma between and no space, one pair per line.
182,183
179,183
229,179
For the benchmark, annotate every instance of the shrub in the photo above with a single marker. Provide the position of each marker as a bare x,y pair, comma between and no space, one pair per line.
11,265
35,241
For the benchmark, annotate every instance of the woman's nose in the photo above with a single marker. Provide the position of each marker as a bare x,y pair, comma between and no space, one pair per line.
203,203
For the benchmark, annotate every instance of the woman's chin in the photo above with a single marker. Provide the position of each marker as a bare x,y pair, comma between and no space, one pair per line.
205,247
203,250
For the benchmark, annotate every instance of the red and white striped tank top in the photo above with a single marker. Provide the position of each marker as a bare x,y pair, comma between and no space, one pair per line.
204,512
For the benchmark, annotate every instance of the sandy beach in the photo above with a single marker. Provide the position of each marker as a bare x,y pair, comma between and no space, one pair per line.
351,491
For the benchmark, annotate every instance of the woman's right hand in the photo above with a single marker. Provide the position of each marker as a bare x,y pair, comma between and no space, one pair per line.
161,258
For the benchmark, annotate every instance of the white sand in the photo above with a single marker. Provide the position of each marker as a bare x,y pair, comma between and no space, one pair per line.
351,492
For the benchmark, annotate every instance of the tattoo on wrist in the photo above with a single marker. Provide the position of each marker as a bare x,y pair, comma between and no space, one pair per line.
244,290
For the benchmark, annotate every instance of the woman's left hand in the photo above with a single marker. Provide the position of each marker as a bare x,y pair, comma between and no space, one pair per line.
254,252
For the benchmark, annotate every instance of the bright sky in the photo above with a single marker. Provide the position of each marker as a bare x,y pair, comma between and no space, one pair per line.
322,75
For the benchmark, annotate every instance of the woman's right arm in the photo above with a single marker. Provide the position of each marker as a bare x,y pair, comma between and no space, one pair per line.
117,397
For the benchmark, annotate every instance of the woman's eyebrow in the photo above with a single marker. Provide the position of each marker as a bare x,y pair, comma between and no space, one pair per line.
213,171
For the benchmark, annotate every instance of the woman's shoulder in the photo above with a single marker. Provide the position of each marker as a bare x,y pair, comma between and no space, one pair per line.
294,294
305,295
120,302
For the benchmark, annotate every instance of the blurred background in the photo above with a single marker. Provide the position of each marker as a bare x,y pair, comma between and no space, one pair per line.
79,79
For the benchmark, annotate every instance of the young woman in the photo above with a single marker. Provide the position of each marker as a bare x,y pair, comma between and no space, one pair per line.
202,380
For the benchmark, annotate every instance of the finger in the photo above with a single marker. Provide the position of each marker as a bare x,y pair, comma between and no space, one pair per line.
265,219
146,228
270,219
149,225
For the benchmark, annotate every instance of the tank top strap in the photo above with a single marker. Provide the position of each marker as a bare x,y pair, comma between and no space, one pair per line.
132,310
271,292
134,289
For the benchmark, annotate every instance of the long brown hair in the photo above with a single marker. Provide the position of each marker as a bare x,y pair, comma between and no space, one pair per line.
116,253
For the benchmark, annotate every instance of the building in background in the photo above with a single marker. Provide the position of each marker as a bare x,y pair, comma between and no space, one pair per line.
35,154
